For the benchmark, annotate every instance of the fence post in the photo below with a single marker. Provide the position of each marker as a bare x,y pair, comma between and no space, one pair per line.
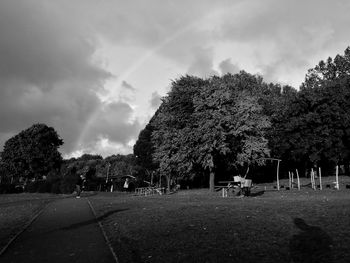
337,177
298,178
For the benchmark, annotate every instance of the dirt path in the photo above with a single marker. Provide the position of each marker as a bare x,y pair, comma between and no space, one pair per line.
66,231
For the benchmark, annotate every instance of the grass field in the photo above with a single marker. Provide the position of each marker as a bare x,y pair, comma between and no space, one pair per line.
16,210
195,226
198,226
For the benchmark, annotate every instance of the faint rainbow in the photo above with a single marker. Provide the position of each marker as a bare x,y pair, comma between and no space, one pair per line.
136,65
125,75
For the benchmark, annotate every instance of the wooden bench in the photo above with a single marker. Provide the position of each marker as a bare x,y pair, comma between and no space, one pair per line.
238,182
224,189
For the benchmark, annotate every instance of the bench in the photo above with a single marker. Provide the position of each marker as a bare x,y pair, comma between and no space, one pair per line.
238,182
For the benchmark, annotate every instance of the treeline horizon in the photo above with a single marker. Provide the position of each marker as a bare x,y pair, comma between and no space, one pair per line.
230,124
208,129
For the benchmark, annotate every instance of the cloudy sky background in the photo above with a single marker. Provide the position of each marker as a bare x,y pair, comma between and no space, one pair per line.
96,70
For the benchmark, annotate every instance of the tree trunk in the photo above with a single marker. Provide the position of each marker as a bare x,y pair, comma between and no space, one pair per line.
168,183
211,180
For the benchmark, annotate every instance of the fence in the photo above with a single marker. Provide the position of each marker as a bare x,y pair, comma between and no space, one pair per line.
145,191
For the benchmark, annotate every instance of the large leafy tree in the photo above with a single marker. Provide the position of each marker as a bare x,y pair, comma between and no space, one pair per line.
143,149
203,121
329,70
315,127
143,152
230,122
280,107
171,127
121,165
33,152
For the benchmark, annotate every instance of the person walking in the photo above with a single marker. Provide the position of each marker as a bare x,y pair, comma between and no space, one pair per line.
79,185
126,184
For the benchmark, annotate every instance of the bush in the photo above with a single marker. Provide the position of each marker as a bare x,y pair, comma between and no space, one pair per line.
68,184
56,187
31,187
44,187
54,177
7,189
39,186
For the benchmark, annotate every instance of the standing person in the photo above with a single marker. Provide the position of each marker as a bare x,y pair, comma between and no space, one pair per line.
79,185
126,184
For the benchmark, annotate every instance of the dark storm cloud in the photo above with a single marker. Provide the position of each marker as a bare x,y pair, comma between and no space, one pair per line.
42,48
48,73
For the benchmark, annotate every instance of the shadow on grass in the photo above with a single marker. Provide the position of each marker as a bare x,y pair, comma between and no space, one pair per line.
255,194
92,221
312,244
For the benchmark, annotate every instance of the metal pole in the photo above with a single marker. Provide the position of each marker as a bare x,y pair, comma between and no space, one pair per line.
298,178
278,179
337,177
107,171
290,180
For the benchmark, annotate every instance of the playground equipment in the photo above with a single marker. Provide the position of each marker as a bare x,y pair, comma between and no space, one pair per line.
145,191
277,170
313,178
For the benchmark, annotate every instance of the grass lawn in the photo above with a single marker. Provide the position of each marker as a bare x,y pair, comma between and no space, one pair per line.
196,226
16,210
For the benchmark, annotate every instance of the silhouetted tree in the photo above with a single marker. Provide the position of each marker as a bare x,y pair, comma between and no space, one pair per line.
33,152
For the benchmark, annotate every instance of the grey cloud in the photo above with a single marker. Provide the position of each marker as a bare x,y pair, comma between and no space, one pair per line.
165,26
155,100
285,19
293,32
47,68
47,73
144,23
127,86
113,121
283,63
202,65
66,107
43,48
226,66
47,48
127,92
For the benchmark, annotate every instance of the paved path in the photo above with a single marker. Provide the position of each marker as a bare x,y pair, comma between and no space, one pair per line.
65,232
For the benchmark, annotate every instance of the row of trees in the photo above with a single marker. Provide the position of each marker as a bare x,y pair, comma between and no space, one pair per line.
233,122
206,129
31,158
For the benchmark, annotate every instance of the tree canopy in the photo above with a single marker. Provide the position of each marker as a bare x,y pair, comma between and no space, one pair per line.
214,119
313,128
236,120
33,152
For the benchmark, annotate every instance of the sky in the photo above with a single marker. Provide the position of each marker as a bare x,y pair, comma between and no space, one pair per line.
96,70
